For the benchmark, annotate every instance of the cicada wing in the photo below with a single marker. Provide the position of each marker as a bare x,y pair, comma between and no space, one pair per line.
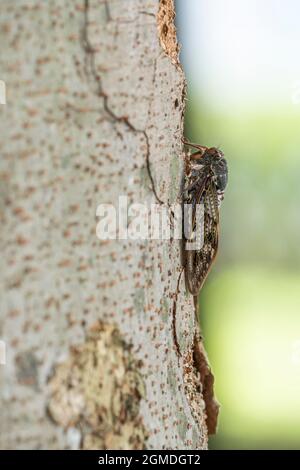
206,255
200,260
198,198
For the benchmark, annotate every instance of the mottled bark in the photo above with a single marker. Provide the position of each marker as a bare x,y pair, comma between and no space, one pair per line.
100,335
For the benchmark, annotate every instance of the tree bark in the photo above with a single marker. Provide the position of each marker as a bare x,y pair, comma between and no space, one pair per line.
100,334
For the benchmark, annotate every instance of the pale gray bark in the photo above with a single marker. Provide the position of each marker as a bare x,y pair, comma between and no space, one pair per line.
95,101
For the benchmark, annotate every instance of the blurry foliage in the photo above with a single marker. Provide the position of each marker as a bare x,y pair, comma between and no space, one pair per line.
260,213
250,319
250,303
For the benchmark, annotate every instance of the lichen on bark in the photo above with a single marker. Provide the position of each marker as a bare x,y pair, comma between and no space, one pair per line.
97,390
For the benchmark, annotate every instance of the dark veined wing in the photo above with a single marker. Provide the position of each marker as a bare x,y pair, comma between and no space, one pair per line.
200,260
194,196
198,197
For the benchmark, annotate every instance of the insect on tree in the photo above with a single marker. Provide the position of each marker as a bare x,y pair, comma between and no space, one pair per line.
205,182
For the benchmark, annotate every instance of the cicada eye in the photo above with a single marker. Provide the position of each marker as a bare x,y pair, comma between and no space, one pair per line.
221,172
222,181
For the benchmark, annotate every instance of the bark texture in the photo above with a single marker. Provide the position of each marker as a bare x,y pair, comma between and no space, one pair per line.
95,103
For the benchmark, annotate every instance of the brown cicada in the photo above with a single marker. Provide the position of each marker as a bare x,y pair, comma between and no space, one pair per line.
205,183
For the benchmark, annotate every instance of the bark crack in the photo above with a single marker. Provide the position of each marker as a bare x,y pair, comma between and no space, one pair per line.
107,11
174,311
142,12
90,65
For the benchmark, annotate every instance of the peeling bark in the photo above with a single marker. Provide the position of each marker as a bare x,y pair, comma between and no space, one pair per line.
96,392
95,103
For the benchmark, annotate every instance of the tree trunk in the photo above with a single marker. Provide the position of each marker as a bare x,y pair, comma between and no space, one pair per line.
99,334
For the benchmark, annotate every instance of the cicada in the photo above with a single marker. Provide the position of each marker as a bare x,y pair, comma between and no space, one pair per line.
205,182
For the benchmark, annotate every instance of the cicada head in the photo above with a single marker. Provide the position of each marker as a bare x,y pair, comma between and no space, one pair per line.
215,158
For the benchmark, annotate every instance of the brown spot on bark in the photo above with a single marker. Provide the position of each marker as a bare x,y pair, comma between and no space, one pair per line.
27,369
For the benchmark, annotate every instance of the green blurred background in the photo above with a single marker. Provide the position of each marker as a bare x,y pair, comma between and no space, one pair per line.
243,69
